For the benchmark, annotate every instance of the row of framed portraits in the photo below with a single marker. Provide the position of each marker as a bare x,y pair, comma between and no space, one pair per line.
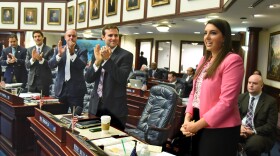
80,14
54,15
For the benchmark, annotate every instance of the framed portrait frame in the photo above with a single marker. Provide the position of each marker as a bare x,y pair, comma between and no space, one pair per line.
54,16
30,16
111,7
94,9
159,2
70,15
273,63
132,5
81,12
8,14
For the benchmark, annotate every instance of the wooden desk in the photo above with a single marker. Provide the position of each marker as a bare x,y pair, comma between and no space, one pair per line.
137,103
16,137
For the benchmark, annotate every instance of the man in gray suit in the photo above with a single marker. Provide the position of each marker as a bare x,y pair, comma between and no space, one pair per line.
109,70
71,61
39,76
259,114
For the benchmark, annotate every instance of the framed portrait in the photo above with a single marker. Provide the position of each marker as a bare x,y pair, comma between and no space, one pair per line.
7,15
94,9
111,7
82,12
54,16
160,2
273,63
70,15
132,4
30,15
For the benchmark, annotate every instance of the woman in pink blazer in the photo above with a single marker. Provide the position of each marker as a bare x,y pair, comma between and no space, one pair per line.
212,116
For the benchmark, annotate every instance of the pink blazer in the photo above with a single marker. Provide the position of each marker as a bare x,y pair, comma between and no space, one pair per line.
219,94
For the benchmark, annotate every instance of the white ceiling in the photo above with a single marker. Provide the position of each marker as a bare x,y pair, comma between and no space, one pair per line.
188,25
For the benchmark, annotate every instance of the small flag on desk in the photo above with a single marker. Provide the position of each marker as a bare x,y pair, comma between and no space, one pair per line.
74,121
133,152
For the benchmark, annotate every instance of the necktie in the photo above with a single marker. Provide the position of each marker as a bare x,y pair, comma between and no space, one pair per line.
14,51
100,85
250,115
67,67
39,50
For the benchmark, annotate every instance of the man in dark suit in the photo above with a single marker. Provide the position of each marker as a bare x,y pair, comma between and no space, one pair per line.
154,72
111,6
179,86
13,57
71,60
7,16
109,70
54,17
29,17
259,114
39,76
142,60
95,11
132,3
187,79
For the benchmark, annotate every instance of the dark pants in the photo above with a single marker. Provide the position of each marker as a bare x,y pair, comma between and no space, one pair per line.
215,141
38,86
70,100
256,144
116,122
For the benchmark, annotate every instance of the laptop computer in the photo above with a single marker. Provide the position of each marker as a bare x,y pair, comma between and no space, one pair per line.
136,83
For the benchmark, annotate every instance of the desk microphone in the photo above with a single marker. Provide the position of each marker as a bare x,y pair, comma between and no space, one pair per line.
78,111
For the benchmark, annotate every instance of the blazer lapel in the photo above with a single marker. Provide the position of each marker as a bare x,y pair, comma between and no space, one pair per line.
260,104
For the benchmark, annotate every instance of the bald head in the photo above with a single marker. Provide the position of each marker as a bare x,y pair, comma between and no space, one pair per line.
255,84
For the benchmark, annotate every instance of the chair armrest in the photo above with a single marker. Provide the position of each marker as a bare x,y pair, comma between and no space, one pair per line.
155,129
133,116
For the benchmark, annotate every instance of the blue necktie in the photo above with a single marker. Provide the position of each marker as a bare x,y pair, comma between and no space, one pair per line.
250,115
14,51
39,50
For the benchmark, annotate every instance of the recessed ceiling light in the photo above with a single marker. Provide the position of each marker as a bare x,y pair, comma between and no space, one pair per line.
232,34
202,20
196,32
258,15
136,33
244,22
149,32
273,6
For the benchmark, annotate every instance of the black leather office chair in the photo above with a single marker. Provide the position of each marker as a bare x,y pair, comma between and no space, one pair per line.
157,116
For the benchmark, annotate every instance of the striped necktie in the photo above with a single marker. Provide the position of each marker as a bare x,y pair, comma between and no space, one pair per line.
100,85
250,115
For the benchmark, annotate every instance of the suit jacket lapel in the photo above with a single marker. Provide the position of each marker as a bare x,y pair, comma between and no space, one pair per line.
259,104
246,101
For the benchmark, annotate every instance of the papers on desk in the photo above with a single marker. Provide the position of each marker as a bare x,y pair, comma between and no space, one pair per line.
12,85
28,95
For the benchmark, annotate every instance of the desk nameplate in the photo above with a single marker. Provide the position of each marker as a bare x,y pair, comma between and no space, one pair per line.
10,98
57,130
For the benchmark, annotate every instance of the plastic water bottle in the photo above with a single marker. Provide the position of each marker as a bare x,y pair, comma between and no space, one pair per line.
144,151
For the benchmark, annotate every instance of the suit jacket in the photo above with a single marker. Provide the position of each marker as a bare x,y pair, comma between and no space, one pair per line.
111,7
265,116
117,69
158,73
76,85
219,94
37,70
188,84
142,60
18,68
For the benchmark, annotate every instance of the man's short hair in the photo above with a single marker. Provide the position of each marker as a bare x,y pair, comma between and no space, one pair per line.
37,31
109,27
13,36
173,73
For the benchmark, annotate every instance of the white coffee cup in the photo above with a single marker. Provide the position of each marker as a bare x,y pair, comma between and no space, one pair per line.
14,91
105,123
